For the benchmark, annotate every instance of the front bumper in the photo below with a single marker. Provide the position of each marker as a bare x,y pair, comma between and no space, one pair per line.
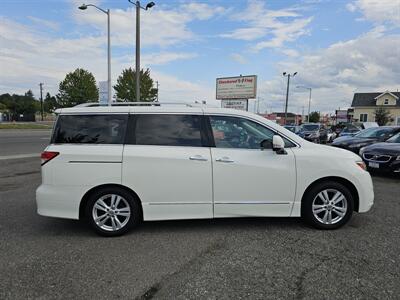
384,167
365,189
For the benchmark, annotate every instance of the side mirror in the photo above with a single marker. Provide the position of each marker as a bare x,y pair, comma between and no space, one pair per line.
266,144
278,144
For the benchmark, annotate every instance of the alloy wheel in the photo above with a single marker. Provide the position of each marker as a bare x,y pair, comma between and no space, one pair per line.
329,206
111,212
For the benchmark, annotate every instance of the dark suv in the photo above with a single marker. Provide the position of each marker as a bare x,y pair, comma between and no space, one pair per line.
314,132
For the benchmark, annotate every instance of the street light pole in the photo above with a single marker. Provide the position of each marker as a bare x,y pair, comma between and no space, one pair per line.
287,91
108,58
309,99
107,12
137,51
41,100
138,7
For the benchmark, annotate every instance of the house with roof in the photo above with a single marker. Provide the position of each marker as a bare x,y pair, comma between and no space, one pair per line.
365,104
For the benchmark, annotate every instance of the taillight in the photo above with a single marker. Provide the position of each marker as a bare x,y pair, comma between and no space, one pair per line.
46,156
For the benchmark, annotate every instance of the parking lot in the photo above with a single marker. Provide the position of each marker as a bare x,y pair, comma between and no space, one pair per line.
263,258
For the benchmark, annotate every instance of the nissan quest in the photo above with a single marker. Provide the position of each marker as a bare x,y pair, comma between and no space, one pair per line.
116,166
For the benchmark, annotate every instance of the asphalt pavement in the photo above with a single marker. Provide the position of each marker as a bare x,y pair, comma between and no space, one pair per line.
260,258
23,141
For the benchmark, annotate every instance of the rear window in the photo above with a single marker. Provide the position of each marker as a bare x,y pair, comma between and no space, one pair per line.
167,130
90,129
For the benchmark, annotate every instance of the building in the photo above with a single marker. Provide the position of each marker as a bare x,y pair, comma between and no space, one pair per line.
279,118
365,104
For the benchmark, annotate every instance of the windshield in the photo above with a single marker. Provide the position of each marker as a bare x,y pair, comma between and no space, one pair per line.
309,127
375,132
394,139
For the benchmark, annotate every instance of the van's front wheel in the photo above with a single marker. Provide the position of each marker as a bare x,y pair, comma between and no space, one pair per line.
112,211
328,205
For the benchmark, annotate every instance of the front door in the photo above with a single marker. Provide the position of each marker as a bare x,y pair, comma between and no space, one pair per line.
165,163
249,181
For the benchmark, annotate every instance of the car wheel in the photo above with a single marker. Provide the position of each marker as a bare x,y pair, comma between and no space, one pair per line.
328,205
112,211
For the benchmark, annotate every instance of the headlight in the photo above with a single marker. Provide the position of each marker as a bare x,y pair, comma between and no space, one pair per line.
362,165
398,157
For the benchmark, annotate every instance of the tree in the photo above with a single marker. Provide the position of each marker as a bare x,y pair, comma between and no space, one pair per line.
50,103
78,87
314,117
382,116
126,86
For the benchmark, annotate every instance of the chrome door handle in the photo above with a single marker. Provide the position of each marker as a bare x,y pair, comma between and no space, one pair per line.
198,157
225,160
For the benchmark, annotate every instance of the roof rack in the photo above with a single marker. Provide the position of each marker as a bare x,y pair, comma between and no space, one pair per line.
94,104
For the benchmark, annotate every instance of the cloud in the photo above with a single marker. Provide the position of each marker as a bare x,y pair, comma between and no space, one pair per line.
160,26
30,57
378,11
367,63
238,58
270,28
44,23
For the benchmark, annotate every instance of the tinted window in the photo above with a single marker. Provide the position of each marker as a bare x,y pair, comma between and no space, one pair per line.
90,129
375,132
232,132
168,130
309,127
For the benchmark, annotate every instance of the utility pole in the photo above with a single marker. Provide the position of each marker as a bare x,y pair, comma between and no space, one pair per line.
41,100
287,92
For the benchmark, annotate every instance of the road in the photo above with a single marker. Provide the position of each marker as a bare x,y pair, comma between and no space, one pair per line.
262,258
20,141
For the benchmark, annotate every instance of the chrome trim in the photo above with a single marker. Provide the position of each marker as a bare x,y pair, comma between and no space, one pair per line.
376,156
253,202
94,162
176,203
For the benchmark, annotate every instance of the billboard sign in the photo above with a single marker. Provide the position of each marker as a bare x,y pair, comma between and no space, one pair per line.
240,104
241,87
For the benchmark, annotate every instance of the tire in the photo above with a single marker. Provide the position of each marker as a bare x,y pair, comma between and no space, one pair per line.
113,220
339,212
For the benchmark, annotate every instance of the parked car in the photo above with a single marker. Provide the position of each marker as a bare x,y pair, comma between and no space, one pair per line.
383,157
349,130
366,137
117,166
331,135
314,132
293,128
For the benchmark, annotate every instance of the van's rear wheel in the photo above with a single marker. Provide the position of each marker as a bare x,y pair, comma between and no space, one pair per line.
112,211
328,205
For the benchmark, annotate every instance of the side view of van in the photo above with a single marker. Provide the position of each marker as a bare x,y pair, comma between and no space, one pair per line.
119,165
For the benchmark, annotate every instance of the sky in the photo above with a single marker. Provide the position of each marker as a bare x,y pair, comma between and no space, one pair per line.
337,47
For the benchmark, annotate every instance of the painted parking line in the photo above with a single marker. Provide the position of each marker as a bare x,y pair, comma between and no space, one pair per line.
20,156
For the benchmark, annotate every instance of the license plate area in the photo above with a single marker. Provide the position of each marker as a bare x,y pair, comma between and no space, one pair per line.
373,165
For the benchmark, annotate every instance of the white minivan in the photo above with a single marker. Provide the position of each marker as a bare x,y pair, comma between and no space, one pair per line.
116,166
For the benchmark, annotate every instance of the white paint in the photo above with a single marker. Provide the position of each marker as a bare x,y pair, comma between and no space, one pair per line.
170,185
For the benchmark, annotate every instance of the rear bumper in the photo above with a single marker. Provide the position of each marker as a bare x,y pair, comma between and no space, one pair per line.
58,201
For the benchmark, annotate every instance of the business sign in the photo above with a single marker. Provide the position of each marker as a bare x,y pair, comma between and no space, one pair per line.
103,92
241,104
241,87
341,116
